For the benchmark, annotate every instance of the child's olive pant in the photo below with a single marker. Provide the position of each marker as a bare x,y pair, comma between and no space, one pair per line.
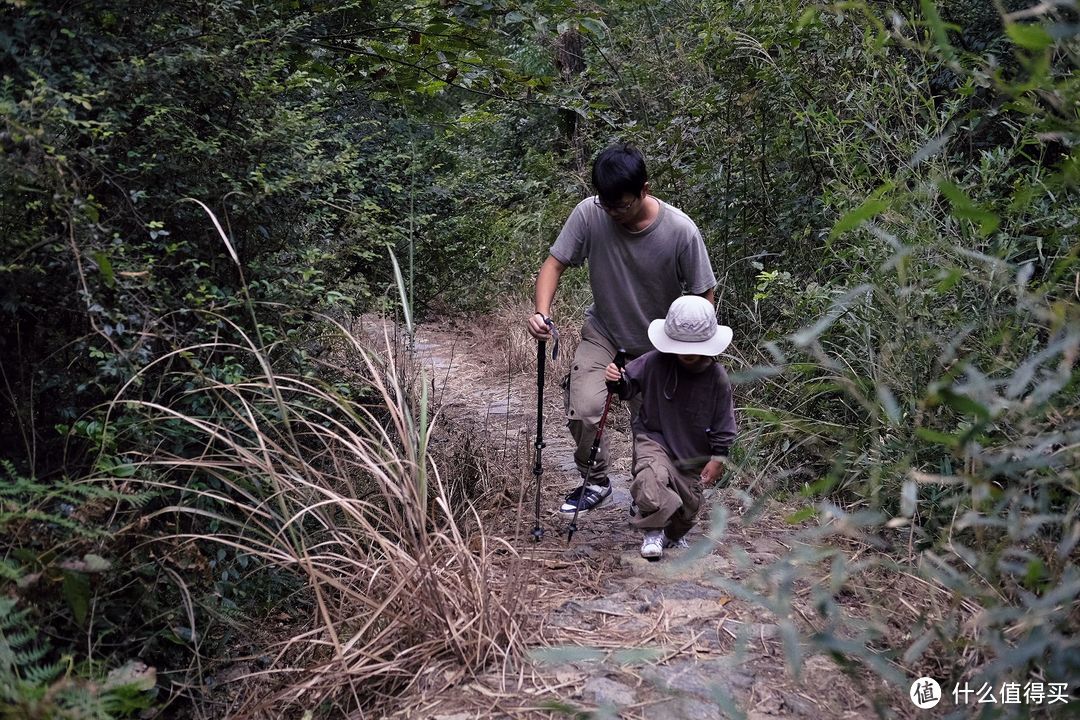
666,497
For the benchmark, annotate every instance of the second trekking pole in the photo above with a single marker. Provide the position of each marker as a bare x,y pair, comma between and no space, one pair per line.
620,362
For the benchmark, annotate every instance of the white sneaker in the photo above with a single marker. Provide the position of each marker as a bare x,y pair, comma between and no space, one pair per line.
652,547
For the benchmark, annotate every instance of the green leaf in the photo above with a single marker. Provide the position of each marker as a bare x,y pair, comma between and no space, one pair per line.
965,405
134,675
594,26
106,268
1029,36
965,208
1035,574
406,309
123,471
938,438
939,27
802,515
947,279
76,589
637,656
810,15
562,655
870,207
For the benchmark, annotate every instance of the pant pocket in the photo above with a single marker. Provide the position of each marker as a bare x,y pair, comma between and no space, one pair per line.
566,393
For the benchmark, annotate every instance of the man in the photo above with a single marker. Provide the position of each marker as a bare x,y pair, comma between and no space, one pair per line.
642,255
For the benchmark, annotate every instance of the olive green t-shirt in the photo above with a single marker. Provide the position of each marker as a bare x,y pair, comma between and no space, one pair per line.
634,276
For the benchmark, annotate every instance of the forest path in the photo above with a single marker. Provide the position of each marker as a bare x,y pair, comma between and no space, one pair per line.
617,636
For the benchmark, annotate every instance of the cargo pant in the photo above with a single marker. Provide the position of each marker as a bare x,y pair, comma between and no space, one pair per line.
584,396
667,497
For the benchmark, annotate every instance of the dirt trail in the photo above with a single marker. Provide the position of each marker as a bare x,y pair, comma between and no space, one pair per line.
660,640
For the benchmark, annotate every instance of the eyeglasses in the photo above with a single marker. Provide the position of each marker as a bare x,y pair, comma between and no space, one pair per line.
614,208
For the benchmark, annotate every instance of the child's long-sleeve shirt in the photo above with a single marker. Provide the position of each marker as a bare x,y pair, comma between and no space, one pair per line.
690,414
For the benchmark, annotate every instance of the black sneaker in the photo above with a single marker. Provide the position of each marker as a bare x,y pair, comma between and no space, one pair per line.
589,497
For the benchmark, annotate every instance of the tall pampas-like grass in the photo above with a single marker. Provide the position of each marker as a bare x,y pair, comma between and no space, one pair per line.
328,482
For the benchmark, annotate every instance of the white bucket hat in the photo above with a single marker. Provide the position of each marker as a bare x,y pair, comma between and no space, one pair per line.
690,329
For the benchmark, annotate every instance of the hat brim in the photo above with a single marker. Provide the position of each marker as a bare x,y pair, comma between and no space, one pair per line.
713,346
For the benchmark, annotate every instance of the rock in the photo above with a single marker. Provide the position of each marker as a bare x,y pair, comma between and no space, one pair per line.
614,604
707,571
702,678
759,631
801,706
686,709
580,552
602,691
762,545
684,590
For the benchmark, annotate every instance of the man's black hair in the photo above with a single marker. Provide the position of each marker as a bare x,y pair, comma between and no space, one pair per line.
618,170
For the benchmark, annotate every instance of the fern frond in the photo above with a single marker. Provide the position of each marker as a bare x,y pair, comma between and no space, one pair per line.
31,656
72,525
9,570
43,674
19,639
10,618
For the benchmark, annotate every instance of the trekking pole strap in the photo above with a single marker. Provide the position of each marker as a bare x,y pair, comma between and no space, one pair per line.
554,334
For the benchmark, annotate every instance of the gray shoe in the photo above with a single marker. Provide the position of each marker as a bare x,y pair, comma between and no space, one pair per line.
679,544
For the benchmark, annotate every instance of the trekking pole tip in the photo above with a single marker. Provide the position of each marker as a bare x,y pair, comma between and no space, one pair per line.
537,534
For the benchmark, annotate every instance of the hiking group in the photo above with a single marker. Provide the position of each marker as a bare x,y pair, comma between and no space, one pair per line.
653,298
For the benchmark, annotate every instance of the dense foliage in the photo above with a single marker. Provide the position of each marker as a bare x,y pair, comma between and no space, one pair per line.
889,195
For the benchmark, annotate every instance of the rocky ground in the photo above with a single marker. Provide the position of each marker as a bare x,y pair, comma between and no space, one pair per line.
618,636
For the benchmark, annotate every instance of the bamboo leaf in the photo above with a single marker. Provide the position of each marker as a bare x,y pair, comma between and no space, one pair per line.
938,27
870,207
405,308
938,438
1029,36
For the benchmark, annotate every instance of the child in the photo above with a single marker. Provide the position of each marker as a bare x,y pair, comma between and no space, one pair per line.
686,424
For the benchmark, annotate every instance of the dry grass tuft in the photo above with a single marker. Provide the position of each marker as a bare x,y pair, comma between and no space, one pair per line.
333,485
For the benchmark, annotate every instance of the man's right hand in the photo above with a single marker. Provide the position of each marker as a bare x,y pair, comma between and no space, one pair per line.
538,328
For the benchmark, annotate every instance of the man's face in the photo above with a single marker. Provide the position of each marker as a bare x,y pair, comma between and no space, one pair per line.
626,210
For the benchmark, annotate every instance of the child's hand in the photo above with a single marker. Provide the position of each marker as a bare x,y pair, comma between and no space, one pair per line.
712,472
612,374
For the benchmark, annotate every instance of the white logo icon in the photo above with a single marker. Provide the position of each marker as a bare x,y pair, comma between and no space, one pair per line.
925,693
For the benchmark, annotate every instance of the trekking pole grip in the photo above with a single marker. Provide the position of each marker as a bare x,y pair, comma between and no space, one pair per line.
620,362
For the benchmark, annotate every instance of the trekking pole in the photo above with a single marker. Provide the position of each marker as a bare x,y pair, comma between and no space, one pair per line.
612,388
538,468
